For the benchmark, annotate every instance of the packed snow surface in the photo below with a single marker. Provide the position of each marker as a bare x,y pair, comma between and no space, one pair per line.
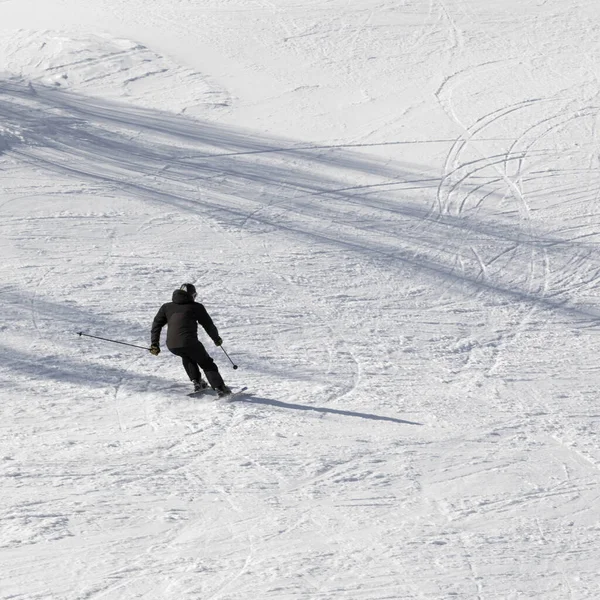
391,209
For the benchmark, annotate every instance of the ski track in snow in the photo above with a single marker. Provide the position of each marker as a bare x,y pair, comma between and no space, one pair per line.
391,212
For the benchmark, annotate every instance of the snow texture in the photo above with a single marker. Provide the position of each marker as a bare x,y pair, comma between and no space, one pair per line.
391,210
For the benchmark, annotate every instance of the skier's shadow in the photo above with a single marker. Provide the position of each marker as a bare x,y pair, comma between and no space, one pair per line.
334,411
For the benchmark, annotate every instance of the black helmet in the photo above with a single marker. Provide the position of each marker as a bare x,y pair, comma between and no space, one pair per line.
190,288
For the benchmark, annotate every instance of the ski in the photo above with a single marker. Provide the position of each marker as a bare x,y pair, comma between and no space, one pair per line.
233,394
224,397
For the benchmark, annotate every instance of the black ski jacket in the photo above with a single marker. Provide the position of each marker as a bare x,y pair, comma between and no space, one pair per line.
182,316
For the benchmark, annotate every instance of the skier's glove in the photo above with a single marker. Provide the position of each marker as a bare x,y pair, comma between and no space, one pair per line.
154,349
218,342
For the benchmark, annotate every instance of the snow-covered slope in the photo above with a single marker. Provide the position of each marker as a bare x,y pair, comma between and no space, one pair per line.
390,209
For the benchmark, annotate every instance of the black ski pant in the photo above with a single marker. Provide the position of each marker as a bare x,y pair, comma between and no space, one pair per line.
194,356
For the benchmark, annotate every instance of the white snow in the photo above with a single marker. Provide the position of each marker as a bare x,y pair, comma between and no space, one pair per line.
391,209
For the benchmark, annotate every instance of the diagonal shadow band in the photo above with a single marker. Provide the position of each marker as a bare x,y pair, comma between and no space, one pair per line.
320,409
217,173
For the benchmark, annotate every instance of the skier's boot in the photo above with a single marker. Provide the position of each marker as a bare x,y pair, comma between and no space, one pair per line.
223,390
199,385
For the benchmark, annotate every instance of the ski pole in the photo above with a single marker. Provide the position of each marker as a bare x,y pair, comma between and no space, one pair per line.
80,333
227,355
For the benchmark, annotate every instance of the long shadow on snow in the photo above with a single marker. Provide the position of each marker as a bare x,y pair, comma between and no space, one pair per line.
59,322
66,317
81,131
30,366
63,110
257,183
77,126
249,399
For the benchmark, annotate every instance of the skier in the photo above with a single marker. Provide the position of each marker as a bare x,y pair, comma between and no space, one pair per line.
182,316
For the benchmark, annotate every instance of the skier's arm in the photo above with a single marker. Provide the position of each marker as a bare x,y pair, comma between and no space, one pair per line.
160,320
204,319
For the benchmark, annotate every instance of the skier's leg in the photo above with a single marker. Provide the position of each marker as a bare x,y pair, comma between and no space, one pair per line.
191,368
199,354
189,364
